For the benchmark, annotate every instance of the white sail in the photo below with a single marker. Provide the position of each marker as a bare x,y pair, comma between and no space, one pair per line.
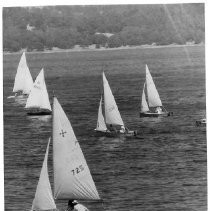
112,113
152,93
38,97
43,199
23,79
101,125
72,178
144,105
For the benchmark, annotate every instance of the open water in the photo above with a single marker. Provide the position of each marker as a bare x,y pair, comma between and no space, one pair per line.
166,170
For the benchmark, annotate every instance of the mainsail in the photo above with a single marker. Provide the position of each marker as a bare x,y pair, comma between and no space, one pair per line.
152,93
101,125
72,178
23,79
144,105
112,114
43,199
38,97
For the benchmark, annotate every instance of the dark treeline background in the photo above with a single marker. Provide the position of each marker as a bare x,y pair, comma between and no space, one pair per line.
39,28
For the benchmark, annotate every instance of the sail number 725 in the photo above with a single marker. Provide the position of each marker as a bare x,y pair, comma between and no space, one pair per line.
77,170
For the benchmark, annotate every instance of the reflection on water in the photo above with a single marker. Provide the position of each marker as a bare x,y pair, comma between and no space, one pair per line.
20,100
41,119
111,143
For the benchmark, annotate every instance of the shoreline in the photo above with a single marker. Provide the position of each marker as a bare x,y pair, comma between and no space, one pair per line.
88,49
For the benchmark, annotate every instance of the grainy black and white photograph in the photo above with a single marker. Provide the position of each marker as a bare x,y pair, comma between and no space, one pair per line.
104,107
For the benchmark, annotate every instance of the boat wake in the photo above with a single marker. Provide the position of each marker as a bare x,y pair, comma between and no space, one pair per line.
10,97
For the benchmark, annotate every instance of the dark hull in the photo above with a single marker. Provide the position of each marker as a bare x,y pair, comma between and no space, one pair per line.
200,123
149,114
38,112
115,134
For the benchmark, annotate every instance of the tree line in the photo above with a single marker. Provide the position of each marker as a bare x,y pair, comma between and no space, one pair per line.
39,28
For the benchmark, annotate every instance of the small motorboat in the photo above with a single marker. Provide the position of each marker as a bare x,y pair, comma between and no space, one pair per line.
201,122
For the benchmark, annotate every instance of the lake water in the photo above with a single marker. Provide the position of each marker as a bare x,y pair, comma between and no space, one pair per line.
166,170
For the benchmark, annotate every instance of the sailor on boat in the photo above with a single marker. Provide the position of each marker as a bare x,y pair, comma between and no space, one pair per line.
122,129
73,205
159,110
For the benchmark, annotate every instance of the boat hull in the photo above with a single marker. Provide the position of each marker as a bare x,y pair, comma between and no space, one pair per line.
200,123
117,134
21,95
38,112
150,114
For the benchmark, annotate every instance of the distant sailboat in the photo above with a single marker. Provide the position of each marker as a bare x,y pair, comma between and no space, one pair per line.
154,107
43,199
113,120
72,177
38,101
23,80
201,122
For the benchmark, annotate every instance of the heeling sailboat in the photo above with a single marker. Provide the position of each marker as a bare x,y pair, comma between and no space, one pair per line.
38,101
72,177
23,80
113,118
154,107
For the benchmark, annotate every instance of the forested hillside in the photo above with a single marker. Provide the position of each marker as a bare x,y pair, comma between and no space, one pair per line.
39,28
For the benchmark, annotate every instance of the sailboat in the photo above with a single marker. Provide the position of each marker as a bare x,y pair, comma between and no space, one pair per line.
38,100
23,79
201,122
72,177
113,124
152,107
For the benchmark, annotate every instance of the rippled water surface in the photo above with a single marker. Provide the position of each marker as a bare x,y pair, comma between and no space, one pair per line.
166,170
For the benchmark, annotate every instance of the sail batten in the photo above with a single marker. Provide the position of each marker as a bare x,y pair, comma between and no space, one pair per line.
72,177
144,105
43,199
38,97
112,114
152,93
23,79
101,125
